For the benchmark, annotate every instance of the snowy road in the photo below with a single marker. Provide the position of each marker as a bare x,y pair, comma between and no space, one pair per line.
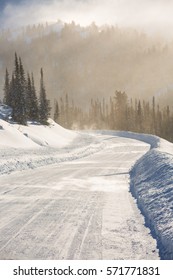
79,209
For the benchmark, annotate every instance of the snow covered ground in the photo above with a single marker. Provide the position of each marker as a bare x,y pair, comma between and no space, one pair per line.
76,204
27,147
152,185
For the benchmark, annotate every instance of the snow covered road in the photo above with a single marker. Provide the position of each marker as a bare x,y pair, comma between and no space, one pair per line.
79,209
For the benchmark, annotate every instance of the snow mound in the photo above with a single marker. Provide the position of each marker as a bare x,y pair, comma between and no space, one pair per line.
34,135
52,135
11,137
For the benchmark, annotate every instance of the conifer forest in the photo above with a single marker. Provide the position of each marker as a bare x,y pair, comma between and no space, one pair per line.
20,95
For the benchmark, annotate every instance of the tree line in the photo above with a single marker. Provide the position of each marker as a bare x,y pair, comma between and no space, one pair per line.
116,113
20,94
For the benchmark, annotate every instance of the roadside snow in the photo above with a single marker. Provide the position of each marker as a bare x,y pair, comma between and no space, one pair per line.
152,186
28,147
151,183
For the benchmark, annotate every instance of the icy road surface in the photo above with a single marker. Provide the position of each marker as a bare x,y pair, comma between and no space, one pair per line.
79,209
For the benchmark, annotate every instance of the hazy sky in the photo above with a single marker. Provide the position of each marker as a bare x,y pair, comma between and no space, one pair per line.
150,15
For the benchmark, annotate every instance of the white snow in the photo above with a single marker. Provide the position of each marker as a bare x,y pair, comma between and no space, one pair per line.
152,186
11,137
19,136
27,147
81,207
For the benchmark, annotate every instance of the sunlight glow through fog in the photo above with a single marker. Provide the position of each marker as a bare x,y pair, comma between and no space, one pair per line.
148,15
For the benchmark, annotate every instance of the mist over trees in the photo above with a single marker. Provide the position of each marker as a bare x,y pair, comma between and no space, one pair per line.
118,113
91,62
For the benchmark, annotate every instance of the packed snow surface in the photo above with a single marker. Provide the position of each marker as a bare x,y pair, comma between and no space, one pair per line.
77,203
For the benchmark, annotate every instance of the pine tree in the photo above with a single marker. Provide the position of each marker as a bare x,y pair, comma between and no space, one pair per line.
44,103
139,117
34,101
153,116
67,121
11,93
159,121
22,86
56,112
62,112
18,87
31,100
28,97
168,127
7,95
121,110
112,115
131,120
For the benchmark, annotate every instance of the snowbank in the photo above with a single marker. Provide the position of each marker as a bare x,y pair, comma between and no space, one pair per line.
11,137
34,135
152,185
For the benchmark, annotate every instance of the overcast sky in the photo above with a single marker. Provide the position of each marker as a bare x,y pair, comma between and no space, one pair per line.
149,15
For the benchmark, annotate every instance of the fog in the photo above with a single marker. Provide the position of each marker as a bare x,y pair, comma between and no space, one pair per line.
86,60
148,15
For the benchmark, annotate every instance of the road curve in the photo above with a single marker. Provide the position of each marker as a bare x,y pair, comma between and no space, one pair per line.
79,209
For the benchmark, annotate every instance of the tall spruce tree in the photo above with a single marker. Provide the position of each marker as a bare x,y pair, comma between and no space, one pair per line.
153,116
18,88
11,94
22,91
120,100
139,117
31,100
7,96
44,103
56,112
34,101
28,97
